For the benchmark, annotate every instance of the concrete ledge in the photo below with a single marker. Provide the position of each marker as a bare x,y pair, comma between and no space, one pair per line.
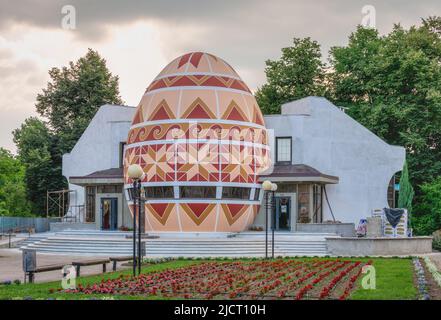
342,229
351,246
62,226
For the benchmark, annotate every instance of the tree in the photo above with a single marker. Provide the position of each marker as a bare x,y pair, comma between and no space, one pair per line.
74,95
298,73
35,146
389,83
352,68
392,85
68,103
13,200
406,193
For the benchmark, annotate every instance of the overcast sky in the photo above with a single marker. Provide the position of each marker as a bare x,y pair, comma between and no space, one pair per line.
138,38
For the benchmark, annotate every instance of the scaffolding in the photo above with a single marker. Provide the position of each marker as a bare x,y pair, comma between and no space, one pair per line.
57,203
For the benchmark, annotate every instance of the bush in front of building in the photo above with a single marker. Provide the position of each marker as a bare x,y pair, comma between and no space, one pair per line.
427,214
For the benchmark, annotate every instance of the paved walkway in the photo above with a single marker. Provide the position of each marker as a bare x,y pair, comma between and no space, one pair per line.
436,259
11,265
4,240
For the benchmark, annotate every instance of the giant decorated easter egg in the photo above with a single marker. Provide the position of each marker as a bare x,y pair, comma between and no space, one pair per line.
200,138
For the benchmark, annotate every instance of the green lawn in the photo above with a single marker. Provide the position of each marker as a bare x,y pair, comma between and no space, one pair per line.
394,280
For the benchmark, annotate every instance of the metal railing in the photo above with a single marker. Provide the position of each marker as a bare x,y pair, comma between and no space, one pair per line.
75,214
25,224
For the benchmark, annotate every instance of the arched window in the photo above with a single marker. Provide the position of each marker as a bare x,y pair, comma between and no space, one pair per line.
393,189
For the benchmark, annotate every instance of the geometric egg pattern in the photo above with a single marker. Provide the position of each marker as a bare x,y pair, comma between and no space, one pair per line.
198,124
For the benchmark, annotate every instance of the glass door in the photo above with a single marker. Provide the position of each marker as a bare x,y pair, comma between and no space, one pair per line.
283,213
109,213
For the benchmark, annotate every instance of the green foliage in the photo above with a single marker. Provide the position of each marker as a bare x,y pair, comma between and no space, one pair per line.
36,145
436,244
13,200
392,85
394,281
74,95
406,194
297,74
428,217
69,102
389,83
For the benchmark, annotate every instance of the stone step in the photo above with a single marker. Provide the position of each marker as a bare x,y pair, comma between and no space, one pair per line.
177,240
245,245
186,253
180,243
156,246
176,246
122,234
182,249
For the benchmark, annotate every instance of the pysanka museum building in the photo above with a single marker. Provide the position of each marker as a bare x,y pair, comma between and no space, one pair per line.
205,148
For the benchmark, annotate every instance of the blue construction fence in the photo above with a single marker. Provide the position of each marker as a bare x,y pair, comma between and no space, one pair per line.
23,224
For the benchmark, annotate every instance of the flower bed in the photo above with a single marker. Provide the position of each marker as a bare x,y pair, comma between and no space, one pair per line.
421,280
263,279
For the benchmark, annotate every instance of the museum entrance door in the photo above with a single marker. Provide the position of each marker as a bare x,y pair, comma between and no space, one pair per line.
283,212
109,213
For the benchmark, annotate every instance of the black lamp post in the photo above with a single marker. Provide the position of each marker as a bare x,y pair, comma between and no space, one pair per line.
273,201
136,189
140,226
267,186
136,173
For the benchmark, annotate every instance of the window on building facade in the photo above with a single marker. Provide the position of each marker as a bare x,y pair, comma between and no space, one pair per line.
90,203
317,204
164,192
110,188
303,201
392,191
236,193
256,194
121,154
197,192
283,150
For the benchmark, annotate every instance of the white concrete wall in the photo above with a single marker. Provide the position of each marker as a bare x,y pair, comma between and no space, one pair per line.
98,147
326,138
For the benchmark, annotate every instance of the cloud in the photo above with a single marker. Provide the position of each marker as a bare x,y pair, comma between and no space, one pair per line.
245,17
27,53
94,17
249,31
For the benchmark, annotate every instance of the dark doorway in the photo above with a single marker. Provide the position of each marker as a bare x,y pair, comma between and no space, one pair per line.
109,213
283,213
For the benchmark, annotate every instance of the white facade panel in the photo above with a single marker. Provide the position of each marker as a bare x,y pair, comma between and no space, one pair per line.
335,144
98,148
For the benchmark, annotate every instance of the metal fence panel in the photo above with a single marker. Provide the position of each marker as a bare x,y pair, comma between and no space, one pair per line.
22,224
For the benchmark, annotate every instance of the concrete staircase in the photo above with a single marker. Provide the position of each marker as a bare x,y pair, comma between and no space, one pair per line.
233,245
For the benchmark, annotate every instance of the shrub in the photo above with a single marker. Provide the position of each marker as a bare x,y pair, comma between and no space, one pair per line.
436,244
428,212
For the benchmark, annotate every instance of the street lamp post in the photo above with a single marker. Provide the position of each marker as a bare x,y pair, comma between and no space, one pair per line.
267,186
141,228
273,200
140,207
136,173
